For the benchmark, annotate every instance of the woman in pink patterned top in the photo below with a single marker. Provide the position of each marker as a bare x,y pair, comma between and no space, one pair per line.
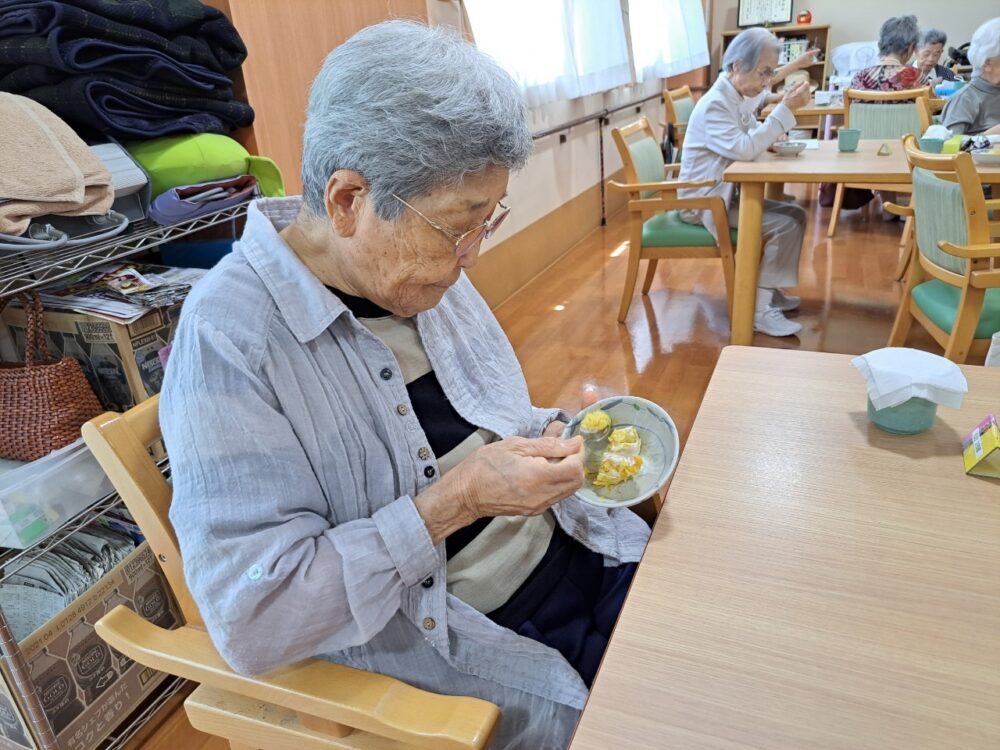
897,44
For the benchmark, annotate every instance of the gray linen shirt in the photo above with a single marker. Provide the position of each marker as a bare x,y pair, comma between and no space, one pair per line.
973,109
295,462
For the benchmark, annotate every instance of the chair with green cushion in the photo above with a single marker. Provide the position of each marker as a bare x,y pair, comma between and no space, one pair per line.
678,104
881,115
953,289
655,227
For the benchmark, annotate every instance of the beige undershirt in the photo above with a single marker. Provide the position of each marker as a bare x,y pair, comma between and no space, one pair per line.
486,572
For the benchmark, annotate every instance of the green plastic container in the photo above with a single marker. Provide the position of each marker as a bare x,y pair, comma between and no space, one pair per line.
908,418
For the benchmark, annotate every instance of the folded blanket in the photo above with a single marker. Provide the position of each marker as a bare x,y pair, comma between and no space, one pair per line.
47,168
185,30
31,61
126,110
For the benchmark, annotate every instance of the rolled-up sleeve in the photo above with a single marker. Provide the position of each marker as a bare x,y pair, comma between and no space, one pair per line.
274,581
724,136
959,114
542,418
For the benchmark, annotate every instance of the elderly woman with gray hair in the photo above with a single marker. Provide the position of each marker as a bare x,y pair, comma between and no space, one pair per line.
723,128
929,53
975,108
897,43
358,471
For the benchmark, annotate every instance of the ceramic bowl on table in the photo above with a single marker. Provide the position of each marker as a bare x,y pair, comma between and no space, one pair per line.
660,450
789,148
989,158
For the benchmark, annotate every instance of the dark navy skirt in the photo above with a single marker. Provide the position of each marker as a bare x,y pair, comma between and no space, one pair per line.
570,602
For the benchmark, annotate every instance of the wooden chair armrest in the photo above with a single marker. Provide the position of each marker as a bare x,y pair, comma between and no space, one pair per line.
667,186
993,203
898,210
358,700
671,168
972,252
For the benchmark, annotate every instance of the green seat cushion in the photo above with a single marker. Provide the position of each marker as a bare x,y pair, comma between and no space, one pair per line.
939,302
667,230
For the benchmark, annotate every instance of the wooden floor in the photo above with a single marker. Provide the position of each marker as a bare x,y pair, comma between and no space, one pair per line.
563,328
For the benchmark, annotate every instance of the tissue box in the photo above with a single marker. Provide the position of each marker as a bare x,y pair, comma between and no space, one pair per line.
981,449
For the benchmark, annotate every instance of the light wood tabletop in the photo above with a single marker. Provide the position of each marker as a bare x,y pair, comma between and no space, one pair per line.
812,109
825,164
812,582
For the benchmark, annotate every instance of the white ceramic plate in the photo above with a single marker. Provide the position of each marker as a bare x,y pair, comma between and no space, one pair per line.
660,450
986,158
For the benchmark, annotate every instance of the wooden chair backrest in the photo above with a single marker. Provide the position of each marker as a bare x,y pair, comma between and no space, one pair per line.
914,96
671,98
950,169
641,155
120,443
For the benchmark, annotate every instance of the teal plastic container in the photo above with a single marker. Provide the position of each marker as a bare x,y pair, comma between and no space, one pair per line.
932,145
848,139
908,418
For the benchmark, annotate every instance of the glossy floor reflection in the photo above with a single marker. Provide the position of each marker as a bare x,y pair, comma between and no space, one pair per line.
563,326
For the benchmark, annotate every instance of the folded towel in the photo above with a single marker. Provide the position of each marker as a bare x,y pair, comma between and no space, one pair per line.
47,169
128,110
186,30
31,61
181,204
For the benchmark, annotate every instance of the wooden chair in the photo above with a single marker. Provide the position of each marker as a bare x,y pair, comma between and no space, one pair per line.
887,115
953,285
312,705
655,227
678,104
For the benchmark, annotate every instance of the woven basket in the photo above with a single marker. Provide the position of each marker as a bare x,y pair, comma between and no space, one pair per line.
43,402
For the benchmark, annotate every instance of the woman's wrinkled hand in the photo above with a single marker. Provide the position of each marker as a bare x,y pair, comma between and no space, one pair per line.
520,476
513,477
797,96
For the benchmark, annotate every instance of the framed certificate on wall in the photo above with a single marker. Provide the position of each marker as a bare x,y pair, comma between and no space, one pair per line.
759,12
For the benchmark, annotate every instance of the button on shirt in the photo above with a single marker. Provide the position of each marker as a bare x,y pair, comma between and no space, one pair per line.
287,454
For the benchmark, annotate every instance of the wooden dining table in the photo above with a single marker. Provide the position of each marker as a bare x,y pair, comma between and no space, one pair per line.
812,582
824,164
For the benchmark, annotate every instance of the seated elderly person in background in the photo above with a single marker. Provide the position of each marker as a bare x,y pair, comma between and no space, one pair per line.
723,128
897,43
975,108
358,472
929,52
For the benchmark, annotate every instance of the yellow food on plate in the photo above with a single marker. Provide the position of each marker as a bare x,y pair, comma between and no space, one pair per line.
625,441
595,421
615,469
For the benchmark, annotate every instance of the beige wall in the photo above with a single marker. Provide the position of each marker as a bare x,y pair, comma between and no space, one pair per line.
859,20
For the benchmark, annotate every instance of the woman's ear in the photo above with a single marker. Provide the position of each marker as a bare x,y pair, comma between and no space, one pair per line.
345,191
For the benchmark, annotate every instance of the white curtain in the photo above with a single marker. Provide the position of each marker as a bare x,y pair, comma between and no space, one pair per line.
668,37
554,49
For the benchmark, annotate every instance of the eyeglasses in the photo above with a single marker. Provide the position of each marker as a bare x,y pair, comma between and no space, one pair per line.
767,73
467,240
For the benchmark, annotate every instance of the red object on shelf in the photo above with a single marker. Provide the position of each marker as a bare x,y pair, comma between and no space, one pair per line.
804,18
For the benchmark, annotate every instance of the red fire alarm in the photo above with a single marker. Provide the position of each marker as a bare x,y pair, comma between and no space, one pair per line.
804,18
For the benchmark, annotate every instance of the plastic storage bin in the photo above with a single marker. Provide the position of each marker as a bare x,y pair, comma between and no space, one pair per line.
36,498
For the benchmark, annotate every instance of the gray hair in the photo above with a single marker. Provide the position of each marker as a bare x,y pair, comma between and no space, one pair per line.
746,48
898,36
985,45
933,36
410,108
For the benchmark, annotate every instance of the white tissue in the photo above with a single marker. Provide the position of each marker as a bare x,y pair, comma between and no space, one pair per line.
938,131
897,374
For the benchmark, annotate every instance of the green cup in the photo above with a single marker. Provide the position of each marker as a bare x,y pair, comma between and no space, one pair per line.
848,139
908,418
932,145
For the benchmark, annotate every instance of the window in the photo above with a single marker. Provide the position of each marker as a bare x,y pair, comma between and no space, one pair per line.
563,49
554,49
668,37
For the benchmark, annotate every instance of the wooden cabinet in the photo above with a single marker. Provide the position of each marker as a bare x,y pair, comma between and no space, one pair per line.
815,35
286,43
